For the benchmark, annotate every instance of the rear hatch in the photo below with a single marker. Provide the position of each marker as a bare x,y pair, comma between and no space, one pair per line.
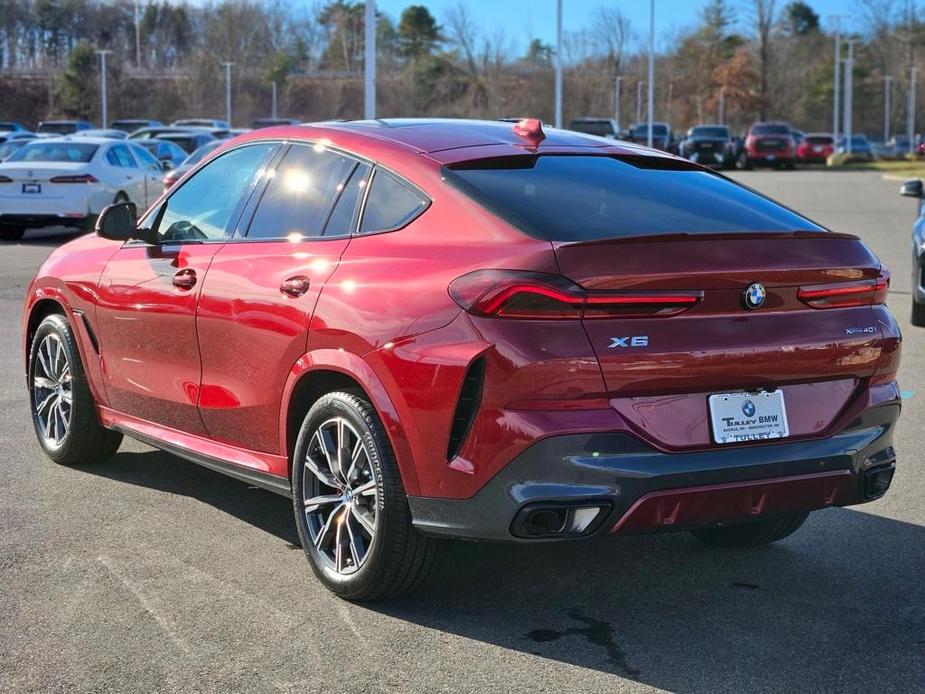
662,363
696,291
42,180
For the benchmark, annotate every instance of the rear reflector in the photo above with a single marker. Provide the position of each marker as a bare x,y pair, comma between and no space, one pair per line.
5,179
81,178
843,294
541,296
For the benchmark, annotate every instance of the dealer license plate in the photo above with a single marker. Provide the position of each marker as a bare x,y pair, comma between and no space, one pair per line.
740,417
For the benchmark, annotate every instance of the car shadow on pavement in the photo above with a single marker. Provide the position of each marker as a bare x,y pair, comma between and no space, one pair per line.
164,472
836,607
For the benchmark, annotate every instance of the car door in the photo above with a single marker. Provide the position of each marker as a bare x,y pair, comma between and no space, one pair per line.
147,295
152,173
262,287
131,178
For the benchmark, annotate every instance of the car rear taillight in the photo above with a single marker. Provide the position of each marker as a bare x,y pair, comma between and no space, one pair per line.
844,294
542,296
81,178
5,179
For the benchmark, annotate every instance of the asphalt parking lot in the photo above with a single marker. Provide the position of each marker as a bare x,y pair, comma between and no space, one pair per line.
150,574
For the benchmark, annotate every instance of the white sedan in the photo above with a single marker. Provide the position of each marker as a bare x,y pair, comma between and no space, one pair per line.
68,181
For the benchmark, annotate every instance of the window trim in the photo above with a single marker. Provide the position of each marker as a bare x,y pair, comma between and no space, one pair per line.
425,198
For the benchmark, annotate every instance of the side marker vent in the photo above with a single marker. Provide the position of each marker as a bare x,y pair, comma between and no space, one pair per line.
470,397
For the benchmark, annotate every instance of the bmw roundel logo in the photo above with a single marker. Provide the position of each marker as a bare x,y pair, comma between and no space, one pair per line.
754,295
748,408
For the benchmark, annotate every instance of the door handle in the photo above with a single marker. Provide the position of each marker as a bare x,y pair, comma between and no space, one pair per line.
185,279
295,286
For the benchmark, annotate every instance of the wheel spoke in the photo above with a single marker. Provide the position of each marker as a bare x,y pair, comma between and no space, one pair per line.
49,400
367,489
326,478
364,520
317,502
357,550
326,528
339,546
326,445
354,471
43,382
67,397
58,356
43,360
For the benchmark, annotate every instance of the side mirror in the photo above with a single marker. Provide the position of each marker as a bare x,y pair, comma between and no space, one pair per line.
913,189
117,222
166,165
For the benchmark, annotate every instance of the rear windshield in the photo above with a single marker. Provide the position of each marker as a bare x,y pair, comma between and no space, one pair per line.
57,128
55,151
188,144
707,131
588,198
599,127
770,129
657,130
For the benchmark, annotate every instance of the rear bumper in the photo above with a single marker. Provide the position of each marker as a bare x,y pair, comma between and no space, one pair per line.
641,489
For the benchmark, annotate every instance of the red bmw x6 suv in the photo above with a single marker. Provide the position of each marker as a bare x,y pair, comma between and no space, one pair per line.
426,329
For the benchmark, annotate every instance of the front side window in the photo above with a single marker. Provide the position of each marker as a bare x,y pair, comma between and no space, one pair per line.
304,188
203,207
589,198
391,204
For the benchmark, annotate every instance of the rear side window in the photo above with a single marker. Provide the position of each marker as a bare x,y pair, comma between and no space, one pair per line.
340,223
303,190
585,198
391,204
120,156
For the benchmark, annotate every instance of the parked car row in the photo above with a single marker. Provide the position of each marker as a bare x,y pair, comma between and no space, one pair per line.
769,143
67,171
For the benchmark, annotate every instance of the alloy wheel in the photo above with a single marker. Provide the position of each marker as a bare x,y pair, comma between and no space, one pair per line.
52,397
340,495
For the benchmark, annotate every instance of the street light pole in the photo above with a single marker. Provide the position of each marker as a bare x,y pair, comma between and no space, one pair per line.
910,110
369,62
651,69
273,99
639,86
228,67
616,98
836,81
722,105
887,90
849,94
558,87
137,36
104,97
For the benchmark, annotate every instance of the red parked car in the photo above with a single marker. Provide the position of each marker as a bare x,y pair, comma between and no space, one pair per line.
769,144
426,329
815,148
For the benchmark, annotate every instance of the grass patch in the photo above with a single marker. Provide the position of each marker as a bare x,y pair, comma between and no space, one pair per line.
898,169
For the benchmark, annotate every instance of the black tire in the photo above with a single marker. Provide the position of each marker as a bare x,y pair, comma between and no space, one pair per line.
86,441
743,163
11,233
397,559
791,165
918,314
752,534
